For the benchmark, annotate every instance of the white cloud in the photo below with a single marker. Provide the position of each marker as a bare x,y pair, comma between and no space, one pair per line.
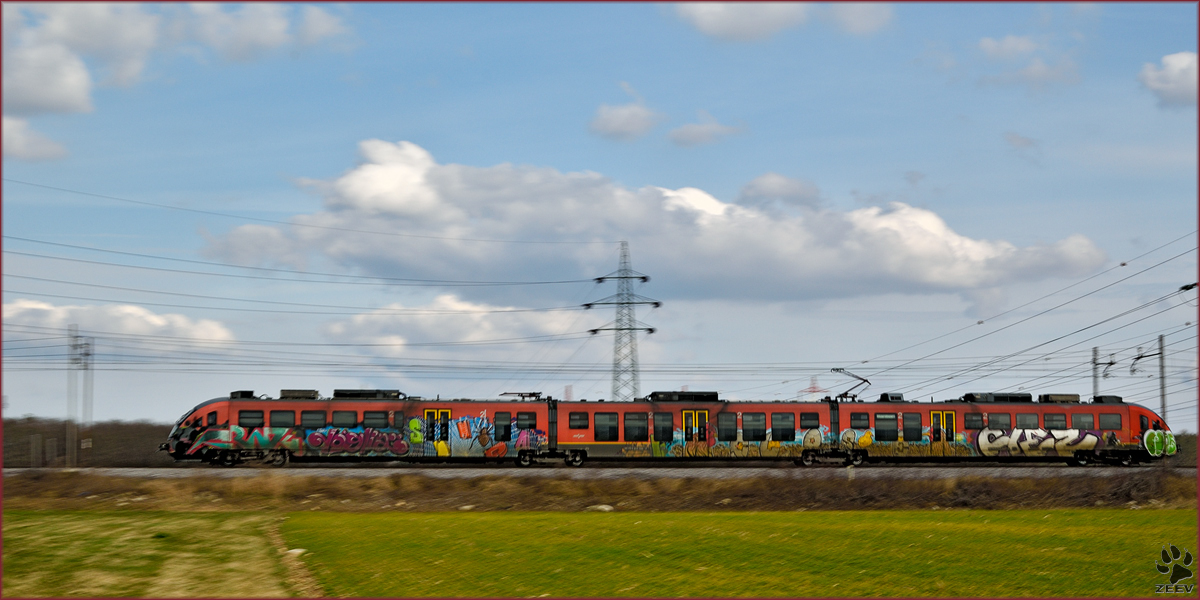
860,18
242,34
775,189
45,78
121,36
463,321
1175,83
701,246
116,318
1008,48
45,45
743,21
22,142
708,130
317,25
626,121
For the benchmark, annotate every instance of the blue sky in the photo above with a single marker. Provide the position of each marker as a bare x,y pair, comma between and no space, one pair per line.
808,185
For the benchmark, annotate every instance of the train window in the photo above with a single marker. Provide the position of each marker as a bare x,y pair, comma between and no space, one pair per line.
312,419
1110,421
579,420
783,427
971,421
1082,421
1001,421
754,427
726,427
250,418
912,427
526,420
1027,421
345,418
212,418
637,427
859,421
503,422
1055,420
375,419
1145,422
664,427
283,418
606,427
810,420
885,427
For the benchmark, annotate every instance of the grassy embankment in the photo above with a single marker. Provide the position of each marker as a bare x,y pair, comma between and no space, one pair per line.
1012,553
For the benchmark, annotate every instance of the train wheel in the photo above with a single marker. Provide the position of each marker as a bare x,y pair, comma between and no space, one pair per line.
278,458
524,459
856,459
1081,460
1125,460
574,459
808,459
227,458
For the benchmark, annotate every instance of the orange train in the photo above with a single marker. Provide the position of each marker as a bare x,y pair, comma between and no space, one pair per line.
366,425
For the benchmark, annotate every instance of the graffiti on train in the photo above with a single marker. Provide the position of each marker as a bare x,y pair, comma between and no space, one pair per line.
339,440
1035,442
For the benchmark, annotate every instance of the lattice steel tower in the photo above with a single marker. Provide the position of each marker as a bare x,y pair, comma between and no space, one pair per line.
624,327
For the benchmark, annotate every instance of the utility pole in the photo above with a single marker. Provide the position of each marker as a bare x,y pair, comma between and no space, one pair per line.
79,359
624,327
72,396
1096,364
1162,379
1162,374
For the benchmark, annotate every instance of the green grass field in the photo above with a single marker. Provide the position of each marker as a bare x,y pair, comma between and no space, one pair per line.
879,553
1017,553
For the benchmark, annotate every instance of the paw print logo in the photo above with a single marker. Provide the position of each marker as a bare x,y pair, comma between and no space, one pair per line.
1178,570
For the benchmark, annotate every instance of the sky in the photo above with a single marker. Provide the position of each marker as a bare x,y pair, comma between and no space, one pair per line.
939,198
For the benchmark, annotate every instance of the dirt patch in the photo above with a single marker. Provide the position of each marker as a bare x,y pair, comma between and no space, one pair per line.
401,492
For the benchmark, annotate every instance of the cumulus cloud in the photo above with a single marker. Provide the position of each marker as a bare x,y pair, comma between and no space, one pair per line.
697,245
625,121
1175,82
743,21
470,322
860,18
708,130
116,318
775,189
1008,48
46,44
22,142
45,78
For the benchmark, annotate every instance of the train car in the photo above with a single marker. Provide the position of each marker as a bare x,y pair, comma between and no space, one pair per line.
1002,427
359,425
694,426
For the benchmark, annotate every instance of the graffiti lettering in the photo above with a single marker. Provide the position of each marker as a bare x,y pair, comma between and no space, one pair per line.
369,441
1035,442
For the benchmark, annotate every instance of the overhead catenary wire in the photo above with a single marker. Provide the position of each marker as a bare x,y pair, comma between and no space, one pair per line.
304,225
362,279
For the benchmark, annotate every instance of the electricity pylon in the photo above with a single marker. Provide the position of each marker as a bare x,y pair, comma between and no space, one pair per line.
624,327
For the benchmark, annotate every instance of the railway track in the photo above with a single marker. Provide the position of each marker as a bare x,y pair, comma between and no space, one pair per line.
556,471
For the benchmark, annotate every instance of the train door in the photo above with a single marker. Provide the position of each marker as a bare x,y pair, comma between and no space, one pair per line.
695,425
941,432
437,430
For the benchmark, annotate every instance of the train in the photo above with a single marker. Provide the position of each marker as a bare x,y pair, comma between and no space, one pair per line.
528,428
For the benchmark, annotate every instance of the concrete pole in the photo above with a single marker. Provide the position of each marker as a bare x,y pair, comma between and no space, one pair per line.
72,396
1095,372
1162,379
